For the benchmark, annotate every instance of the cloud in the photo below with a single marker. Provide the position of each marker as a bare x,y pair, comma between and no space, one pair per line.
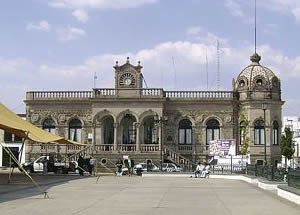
70,33
41,26
80,7
80,15
187,73
194,30
235,7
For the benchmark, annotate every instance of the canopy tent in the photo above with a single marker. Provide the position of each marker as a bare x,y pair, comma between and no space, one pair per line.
12,123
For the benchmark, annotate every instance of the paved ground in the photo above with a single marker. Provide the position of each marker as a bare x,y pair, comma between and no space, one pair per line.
137,195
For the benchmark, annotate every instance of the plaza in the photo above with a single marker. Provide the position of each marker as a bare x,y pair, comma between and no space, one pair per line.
141,195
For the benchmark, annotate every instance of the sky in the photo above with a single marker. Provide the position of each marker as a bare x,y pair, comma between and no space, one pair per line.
61,44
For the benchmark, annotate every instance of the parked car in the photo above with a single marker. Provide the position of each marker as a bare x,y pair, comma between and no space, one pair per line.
171,167
142,167
52,165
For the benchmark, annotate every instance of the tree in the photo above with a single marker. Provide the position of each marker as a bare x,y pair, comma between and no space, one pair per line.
243,149
287,144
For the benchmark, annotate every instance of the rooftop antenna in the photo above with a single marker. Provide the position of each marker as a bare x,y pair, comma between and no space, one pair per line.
144,80
255,26
174,69
95,79
206,61
218,65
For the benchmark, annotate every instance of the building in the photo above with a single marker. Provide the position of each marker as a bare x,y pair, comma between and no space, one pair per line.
155,124
293,122
14,143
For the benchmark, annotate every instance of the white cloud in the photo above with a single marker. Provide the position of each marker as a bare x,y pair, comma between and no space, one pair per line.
80,15
194,30
80,7
70,33
41,26
235,7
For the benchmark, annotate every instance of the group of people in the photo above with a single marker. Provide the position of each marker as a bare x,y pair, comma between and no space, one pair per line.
128,163
202,170
86,164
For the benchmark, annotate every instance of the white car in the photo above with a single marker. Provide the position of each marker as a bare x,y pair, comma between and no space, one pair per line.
143,168
171,167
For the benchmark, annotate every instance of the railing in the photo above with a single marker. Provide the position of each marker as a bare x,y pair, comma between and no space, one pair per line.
127,147
199,94
228,169
105,92
104,147
294,178
112,92
152,92
42,95
149,147
271,173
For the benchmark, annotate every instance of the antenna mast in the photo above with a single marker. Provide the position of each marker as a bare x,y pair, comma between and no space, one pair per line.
95,79
218,65
255,26
206,61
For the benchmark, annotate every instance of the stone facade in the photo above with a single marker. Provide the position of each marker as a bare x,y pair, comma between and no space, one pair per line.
131,120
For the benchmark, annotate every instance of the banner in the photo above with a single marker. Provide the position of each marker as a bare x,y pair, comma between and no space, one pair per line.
222,148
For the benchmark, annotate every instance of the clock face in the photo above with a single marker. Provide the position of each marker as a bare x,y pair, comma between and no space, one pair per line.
127,81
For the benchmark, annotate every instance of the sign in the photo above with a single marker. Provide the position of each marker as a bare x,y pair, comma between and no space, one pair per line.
222,148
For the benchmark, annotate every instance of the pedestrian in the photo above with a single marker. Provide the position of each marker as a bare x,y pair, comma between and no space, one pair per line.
119,165
45,165
91,166
80,164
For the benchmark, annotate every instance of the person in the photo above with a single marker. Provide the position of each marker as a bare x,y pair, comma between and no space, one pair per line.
80,164
45,165
132,165
119,165
200,167
206,171
91,165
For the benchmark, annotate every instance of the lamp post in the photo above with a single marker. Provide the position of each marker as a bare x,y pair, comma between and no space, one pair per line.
264,107
159,121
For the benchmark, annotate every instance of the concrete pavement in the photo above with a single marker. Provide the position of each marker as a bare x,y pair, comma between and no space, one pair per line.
150,195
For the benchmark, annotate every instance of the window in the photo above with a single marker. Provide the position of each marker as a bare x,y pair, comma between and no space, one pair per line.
185,132
259,132
259,162
259,82
242,132
212,130
242,83
275,133
49,125
150,131
75,130
8,137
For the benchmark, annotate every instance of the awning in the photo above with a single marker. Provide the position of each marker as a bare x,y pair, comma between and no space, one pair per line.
14,124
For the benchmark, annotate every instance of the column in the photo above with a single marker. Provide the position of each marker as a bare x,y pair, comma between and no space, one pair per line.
138,144
160,136
116,125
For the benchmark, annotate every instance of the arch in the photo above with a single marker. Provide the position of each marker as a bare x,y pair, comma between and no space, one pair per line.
128,130
259,132
212,130
107,129
48,124
100,115
75,128
146,114
213,117
185,132
75,117
179,119
122,114
150,130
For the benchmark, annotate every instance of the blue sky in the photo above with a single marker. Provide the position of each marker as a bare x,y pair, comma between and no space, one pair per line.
59,44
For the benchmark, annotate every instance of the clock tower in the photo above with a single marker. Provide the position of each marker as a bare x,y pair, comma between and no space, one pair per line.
128,76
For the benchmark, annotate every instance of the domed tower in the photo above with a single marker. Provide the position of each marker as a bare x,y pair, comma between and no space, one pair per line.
260,104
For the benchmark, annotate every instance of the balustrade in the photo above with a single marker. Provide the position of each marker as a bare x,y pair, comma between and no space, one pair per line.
104,147
199,94
149,147
127,147
41,95
105,92
152,92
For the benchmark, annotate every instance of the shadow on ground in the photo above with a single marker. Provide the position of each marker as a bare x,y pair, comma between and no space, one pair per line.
22,187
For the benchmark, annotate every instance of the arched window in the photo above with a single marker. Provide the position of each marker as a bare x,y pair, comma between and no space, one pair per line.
259,132
108,130
128,129
242,132
275,133
150,131
185,132
212,130
49,125
75,127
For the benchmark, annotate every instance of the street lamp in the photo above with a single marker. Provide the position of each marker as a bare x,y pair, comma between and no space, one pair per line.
159,121
264,107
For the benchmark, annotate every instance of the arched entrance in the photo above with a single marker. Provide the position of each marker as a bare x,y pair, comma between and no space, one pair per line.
128,131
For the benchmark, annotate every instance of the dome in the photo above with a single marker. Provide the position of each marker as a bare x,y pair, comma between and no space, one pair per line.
256,76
